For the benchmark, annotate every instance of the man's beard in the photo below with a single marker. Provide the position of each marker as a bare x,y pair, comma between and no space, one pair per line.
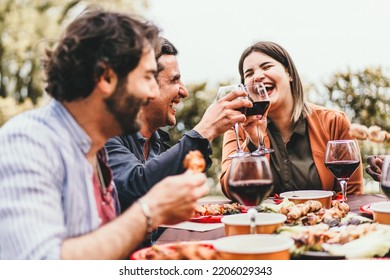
124,106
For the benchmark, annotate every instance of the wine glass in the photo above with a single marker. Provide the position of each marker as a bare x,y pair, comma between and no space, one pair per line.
258,95
385,182
342,159
250,182
222,92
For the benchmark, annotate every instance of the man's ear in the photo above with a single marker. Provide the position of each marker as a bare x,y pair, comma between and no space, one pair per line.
107,81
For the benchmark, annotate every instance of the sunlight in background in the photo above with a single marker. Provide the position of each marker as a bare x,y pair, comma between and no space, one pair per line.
321,36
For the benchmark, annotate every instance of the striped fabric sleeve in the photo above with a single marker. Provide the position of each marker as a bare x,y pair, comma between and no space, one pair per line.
31,218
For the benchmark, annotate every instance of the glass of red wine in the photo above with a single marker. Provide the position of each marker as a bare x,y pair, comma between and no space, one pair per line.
222,92
250,182
258,95
342,159
385,182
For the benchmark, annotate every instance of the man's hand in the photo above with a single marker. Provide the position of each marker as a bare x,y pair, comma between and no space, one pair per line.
173,200
223,114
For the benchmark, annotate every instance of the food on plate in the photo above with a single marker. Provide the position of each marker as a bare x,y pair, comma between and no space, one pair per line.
310,212
373,244
358,131
321,237
194,161
301,209
181,251
216,209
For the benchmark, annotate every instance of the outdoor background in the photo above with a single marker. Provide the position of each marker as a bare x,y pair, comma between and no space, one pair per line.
341,49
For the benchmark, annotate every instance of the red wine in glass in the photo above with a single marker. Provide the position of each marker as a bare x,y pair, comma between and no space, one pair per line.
342,169
259,108
243,110
257,93
342,158
250,182
251,192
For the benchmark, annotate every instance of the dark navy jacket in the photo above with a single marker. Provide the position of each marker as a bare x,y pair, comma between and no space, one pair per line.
133,176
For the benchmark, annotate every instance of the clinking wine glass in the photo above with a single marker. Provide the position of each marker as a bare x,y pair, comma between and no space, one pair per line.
342,159
250,182
258,95
222,92
385,181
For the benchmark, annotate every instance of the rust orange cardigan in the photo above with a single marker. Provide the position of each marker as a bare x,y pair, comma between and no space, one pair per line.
323,125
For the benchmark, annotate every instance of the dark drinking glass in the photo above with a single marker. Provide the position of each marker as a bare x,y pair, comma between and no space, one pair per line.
259,108
222,92
342,159
342,169
257,93
251,192
385,182
250,182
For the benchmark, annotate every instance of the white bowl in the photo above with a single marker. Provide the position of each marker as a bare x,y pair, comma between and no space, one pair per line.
381,212
265,223
325,197
254,247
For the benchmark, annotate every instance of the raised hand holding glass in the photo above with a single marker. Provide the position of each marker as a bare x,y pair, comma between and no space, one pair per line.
257,94
222,92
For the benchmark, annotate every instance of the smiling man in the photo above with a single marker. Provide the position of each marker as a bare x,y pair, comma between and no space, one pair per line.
141,159
57,198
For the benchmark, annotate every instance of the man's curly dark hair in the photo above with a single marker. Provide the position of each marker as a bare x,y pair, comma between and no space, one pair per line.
93,42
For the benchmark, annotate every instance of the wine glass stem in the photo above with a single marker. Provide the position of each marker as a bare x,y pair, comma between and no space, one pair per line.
343,185
239,150
252,216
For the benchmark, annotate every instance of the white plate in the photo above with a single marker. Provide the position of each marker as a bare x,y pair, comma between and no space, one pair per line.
310,194
382,207
261,219
253,243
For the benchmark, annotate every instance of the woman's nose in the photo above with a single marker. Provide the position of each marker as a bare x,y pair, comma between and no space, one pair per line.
259,76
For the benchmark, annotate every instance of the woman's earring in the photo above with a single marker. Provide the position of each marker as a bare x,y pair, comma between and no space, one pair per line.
291,79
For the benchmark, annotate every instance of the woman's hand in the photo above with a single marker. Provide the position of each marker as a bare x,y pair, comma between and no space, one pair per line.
374,169
251,126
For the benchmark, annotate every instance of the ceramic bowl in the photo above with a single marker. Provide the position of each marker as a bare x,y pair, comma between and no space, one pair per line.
325,197
265,223
254,247
381,212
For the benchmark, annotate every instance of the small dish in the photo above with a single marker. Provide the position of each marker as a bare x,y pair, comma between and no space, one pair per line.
175,251
265,223
325,197
366,208
381,212
206,219
254,247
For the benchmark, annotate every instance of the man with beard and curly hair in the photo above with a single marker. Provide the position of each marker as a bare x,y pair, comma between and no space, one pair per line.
57,197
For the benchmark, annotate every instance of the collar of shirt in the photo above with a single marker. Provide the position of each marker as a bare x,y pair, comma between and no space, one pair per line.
155,142
299,126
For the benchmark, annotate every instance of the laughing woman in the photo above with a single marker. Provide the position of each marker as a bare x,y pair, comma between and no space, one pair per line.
298,131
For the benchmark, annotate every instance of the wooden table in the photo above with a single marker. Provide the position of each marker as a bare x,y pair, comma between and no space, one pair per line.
175,235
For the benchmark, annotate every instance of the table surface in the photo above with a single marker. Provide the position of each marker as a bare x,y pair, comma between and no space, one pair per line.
176,235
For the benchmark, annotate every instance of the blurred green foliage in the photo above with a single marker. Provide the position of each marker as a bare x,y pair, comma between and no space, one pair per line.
364,96
27,28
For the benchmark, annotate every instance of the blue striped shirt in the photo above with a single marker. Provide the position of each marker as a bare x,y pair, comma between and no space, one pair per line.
46,188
